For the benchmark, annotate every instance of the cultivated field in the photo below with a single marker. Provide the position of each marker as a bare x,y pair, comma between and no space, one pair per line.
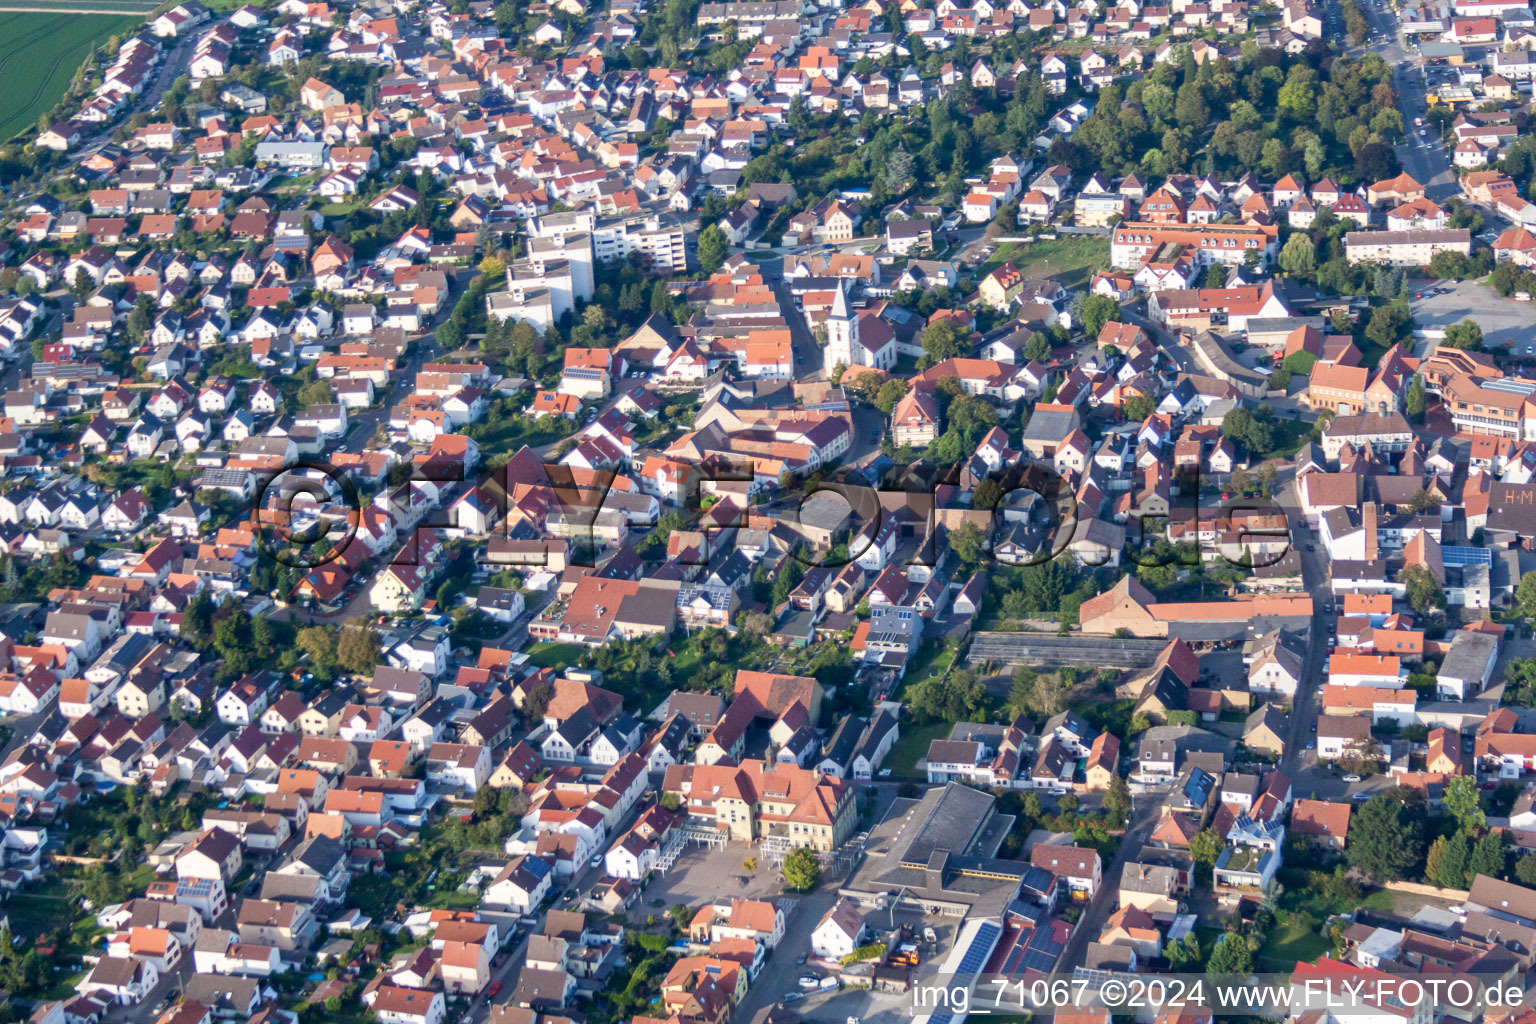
39,54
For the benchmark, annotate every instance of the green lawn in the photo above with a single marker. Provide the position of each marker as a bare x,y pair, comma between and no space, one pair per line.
35,911
1290,435
931,660
1290,943
547,655
40,54
1071,259
507,434
1382,901
913,747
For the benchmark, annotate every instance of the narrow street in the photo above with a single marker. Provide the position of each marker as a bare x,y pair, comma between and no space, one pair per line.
1314,578
1145,811
808,361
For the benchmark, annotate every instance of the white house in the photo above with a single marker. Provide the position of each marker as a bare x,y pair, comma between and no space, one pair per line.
840,931
520,886
396,1004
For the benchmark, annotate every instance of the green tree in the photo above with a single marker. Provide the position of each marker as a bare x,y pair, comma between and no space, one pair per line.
319,643
1230,955
316,392
1424,592
1184,953
1038,347
1488,858
713,248
141,319
1137,408
1389,324
1462,801
1098,310
802,871
1190,109
357,648
233,641
1386,838
1205,846
1117,802
969,545
1297,100
957,699
1299,362
1298,257
890,393
450,335
1525,869
197,620
1464,335
1446,862
1520,682
681,916
943,341
1525,595
898,169
1021,691
1416,401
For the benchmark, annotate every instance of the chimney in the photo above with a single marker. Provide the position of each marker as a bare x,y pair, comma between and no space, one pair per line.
1368,518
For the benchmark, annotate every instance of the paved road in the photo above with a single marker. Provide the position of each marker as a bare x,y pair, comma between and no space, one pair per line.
424,349
808,361
1145,811
22,727
1314,579
780,973
1424,158
1182,356
175,63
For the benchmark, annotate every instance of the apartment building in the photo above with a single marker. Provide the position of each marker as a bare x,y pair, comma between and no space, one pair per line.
1134,243
1405,248
1500,406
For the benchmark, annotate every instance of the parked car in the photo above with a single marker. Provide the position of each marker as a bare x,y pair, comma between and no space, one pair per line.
1351,778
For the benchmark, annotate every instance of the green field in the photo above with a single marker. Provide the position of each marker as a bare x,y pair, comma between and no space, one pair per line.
1070,259
38,56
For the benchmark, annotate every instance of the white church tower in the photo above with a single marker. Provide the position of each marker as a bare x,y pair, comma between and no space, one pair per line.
842,332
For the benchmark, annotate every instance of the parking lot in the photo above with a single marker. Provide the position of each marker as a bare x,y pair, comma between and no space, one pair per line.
1446,303
702,876
871,1007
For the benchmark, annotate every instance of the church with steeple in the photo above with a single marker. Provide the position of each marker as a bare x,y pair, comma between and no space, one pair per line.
857,339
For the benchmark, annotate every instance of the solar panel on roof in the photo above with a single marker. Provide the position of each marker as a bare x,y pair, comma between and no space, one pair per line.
1466,556
1016,955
